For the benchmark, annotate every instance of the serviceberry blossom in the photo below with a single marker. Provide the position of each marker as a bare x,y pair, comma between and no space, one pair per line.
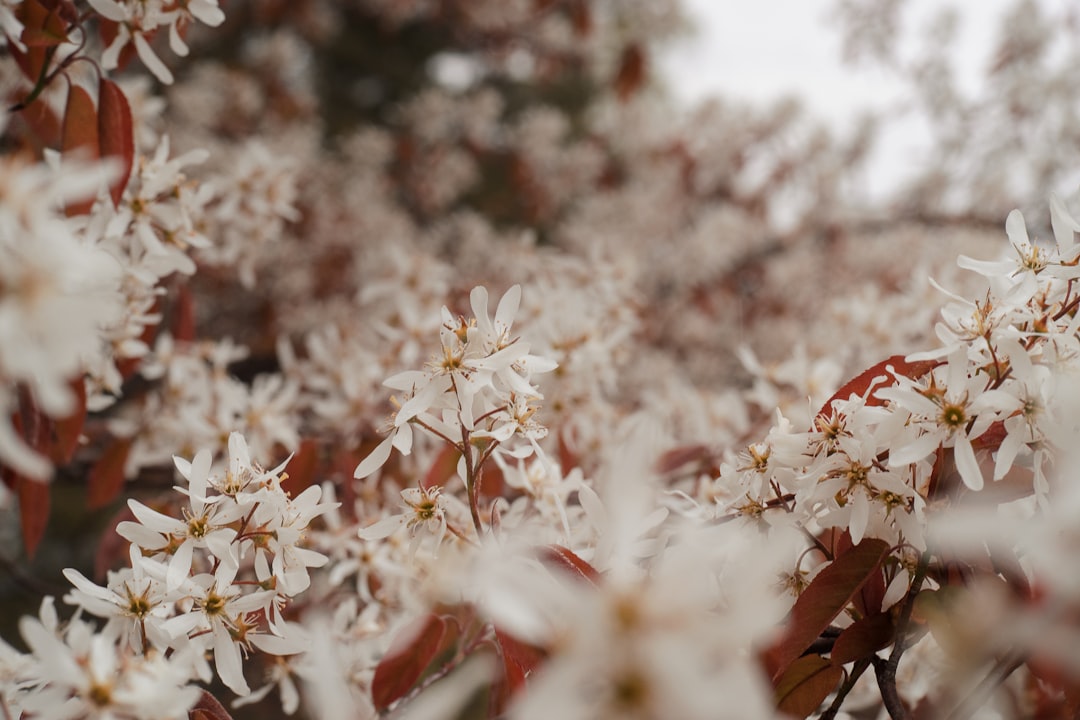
58,292
162,211
216,580
424,516
206,525
950,415
478,386
74,671
132,600
137,20
718,451
9,23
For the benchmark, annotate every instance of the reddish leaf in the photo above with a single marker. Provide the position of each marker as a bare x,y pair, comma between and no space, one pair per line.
67,430
1058,683
863,638
992,438
112,549
581,17
42,123
868,600
567,560
806,684
80,136
823,599
302,467
862,383
677,457
183,326
1006,563
34,427
409,655
31,62
116,133
33,512
42,27
208,708
107,476
519,659
443,468
568,455
631,74
492,482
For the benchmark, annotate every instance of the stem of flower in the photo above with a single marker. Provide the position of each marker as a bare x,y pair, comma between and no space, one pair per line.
842,693
471,482
44,78
885,670
458,534
436,433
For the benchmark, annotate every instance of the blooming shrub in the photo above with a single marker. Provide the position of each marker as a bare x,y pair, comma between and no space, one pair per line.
574,409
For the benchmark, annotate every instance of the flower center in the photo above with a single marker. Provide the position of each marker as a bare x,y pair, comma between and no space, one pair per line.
953,416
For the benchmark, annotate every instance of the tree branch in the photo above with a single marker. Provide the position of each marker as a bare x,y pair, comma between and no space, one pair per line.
842,693
885,670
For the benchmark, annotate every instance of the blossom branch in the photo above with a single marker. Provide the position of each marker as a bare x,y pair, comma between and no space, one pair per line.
885,670
849,683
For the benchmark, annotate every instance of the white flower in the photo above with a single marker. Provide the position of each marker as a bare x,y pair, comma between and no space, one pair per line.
133,600
57,295
481,374
83,674
949,416
205,525
424,517
218,619
670,642
137,19
280,528
10,25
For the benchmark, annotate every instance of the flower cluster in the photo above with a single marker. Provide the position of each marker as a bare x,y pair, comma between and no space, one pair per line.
990,401
476,395
136,21
638,486
58,292
73,670
203,403
216,578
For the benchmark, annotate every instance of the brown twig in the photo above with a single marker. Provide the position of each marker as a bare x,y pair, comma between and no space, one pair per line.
842,693
885,670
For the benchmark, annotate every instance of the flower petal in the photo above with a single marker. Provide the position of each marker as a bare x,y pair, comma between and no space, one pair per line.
376,459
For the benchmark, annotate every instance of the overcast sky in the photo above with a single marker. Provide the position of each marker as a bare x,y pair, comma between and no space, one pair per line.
763,50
